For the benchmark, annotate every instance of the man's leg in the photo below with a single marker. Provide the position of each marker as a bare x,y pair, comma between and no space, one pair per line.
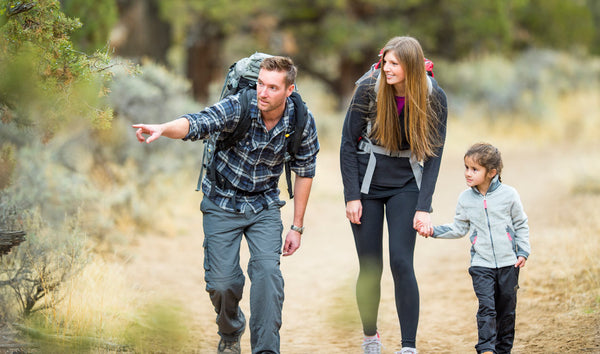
484,284
224,277
266,290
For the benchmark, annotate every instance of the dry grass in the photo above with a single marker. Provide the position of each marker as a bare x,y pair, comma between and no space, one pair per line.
101,309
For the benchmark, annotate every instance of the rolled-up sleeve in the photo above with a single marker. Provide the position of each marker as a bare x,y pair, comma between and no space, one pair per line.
222,116
304,165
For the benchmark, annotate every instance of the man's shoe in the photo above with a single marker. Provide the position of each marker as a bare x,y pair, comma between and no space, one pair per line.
372,345
407,350
229,347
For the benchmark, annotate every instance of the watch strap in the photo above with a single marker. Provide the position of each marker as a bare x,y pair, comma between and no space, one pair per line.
300,230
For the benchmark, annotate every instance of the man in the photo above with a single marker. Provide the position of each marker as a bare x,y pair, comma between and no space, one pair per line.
244,200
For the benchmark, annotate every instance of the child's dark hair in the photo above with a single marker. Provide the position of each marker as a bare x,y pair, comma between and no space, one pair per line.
487,156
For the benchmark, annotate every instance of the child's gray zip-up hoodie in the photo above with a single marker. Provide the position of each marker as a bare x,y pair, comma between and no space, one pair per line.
497,224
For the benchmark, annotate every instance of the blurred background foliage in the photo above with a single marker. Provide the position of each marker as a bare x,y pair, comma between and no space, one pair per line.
334,41
75,74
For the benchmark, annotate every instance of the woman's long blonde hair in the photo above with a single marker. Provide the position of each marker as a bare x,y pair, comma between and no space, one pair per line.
420,120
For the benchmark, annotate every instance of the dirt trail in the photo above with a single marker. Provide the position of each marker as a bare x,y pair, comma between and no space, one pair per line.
320,315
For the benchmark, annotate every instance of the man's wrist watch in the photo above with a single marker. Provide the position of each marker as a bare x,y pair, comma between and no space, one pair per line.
300,230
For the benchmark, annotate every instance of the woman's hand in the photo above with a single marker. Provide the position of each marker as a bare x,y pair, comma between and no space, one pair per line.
354,211
422,223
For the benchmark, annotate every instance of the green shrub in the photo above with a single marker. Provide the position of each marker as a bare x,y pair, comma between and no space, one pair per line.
44,83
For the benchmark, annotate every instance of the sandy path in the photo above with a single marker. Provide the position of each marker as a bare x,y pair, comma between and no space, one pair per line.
320,314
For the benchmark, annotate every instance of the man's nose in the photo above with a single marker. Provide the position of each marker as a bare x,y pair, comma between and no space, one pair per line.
262,91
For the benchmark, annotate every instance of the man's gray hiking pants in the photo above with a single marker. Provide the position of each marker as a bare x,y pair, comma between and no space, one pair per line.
223,233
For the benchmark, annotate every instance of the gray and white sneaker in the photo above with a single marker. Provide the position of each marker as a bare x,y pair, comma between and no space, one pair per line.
232,345
229,347
372,345
407,350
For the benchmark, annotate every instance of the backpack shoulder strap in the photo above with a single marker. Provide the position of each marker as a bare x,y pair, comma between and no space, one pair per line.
244,123
300,117
300,120
226,140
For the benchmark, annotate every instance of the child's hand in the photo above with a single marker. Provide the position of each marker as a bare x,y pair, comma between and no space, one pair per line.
422,223
427,232
520,262
423,230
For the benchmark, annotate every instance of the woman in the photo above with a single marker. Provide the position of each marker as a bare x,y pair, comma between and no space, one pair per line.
390,155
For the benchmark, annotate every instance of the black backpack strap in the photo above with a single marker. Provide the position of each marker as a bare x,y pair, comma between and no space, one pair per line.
300,118
246,96
230,139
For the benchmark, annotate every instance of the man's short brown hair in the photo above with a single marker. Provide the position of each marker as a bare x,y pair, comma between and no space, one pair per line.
279,63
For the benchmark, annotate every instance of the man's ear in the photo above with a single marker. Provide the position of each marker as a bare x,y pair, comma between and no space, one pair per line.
290,89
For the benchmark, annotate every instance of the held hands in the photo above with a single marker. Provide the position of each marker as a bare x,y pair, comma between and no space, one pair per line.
422,223
154,130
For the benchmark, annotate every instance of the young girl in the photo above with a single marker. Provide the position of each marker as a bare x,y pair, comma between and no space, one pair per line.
493,214
390,154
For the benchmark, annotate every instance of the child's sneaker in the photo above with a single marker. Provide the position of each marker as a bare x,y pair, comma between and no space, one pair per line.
407,350
372,345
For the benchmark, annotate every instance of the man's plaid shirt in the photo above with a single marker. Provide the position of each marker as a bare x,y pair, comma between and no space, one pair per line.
256,162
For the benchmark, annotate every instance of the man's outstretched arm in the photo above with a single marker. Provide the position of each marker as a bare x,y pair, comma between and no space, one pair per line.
175,129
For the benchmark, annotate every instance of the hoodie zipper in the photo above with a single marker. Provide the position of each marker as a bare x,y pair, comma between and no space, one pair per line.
487,216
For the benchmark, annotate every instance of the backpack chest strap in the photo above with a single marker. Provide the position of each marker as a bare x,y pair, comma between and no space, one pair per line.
366,146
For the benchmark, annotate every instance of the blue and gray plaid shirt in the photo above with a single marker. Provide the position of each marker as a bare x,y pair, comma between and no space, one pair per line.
256,162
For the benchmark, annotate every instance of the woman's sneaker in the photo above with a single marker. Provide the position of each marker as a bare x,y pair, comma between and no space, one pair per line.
372,345
407,350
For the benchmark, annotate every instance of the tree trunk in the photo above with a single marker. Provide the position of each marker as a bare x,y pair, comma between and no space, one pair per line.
205,44
350,71
140,31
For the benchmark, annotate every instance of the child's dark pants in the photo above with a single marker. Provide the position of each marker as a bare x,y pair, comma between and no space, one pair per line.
496,289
